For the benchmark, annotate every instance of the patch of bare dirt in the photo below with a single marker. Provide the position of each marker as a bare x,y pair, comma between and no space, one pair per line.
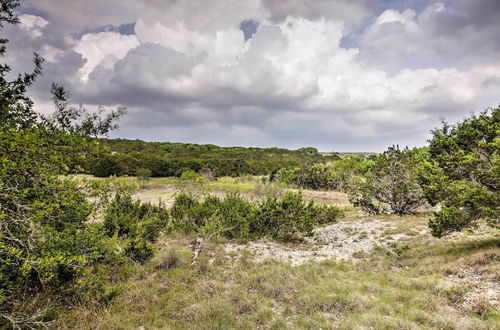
483,288
344,240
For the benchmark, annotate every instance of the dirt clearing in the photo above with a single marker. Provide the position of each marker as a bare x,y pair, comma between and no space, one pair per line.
344,240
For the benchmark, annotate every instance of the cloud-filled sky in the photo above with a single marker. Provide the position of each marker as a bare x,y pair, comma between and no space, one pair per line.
343,75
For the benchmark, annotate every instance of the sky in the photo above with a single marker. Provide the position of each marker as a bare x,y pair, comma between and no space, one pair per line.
338,75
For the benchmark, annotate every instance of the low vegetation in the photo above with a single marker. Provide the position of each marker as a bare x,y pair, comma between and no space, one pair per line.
232,217
391,186
396,287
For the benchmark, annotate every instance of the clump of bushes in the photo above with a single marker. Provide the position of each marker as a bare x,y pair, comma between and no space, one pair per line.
338,175
235,217
125,217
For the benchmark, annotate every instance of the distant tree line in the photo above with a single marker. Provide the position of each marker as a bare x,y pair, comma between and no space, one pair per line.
162,159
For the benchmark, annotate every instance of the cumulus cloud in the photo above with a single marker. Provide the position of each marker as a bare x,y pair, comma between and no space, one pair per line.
257,72
104,48
463,33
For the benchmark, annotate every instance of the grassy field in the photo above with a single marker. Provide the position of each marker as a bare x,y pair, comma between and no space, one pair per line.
164,189
406,280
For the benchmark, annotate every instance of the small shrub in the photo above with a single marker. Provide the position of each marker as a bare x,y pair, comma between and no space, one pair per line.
285,218
233,217
171,259
203,264
328,214
481,306
183,213
96,288
152,227
139,250
143,174
401,249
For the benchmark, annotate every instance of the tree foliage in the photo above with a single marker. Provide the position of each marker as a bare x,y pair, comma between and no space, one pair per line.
468,156
337,175
45,240
163,159
391,185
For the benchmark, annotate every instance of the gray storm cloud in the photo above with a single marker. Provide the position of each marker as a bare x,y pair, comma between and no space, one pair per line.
261,73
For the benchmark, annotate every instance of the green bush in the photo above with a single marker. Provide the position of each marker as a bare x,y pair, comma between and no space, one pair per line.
138,249
107,166
152,226
328,214
126,218
143,173
235,217
186,213
336,176
465,203
466,180
284,218
230,217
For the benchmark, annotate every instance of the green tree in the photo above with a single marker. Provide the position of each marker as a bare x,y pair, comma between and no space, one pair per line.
468,157
45,240
391,185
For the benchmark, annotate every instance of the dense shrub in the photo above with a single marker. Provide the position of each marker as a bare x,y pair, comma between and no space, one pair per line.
143,173
232,218
235,217
284,218
328,214
318,176
338,175
132,219
138,249
107,166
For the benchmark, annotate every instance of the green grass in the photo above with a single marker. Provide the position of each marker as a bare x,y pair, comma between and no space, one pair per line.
231,184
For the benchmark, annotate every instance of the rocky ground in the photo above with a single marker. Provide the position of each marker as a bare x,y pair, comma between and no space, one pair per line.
343,240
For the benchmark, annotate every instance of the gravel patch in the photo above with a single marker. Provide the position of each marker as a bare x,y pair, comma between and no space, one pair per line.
483,287
342,241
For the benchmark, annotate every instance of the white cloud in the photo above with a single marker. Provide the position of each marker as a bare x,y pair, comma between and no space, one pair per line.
455,33
351,12
104,48
33,24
